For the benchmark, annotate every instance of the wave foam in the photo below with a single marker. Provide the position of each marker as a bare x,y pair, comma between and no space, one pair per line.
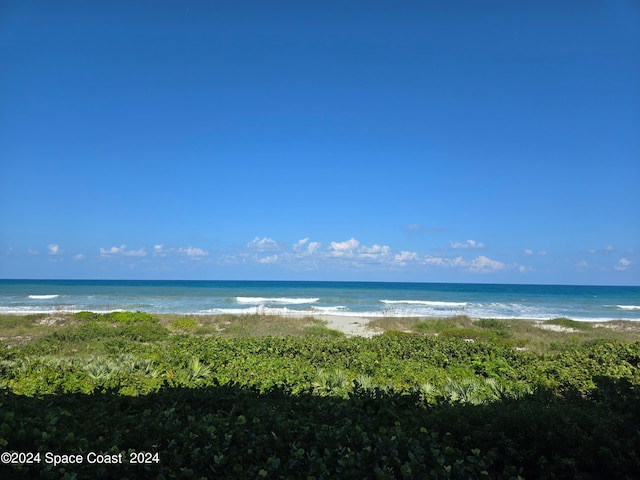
43,297
336,309
425,302
257,310
628,307
285,300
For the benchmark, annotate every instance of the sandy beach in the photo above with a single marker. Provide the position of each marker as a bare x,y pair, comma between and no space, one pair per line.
350,326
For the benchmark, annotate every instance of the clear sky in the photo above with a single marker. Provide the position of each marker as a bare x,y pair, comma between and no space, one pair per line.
449,141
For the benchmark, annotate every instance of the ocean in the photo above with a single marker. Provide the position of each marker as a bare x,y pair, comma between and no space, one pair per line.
367,299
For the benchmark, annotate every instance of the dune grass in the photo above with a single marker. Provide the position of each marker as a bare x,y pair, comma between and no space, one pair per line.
247,325
529,334
532,335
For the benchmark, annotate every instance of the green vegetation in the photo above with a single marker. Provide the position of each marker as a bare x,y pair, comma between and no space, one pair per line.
569,324
184,324
269,397
532,335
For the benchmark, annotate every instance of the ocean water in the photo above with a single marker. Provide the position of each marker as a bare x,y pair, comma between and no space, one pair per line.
370,299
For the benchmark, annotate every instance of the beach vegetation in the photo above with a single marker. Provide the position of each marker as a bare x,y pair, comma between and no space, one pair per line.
253,403
322,331
184,324
534,335
569,324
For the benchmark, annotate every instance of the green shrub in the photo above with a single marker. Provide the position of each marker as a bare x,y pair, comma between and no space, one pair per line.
467,333
439,325
490,323
87,316
117,317
185,324
131,317
322,331
431,326
143,332
568,323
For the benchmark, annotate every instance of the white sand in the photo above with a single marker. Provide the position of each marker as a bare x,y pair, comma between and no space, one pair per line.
555,328
350,326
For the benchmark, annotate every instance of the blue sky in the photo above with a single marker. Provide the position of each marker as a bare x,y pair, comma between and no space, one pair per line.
453,141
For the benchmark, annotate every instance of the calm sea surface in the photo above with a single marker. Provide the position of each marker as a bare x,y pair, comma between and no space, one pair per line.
588,303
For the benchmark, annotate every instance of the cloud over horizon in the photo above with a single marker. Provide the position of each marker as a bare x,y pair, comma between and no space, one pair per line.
352,253
264,244
469,244
122,251
311,247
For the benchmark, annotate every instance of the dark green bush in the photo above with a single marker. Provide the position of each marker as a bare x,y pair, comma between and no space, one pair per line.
491,324
322,331
568,323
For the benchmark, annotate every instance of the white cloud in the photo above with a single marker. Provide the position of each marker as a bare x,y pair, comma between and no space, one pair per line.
313,247
374,252
78,256
122,250
485,264
31,251
299,244
352,249
404,257
112,250
340,249
609,248
478,264
375,249
269,259
622,264
444,262
582,264
263,244
352,253
468,244
528,252
54,249
193,252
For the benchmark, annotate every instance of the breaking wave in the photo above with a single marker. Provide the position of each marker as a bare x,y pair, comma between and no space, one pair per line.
628,307
426,303
283,300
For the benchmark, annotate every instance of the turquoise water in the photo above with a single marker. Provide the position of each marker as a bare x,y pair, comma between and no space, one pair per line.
375,299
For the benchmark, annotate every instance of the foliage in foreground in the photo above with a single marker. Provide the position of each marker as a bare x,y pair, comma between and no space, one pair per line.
393,406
